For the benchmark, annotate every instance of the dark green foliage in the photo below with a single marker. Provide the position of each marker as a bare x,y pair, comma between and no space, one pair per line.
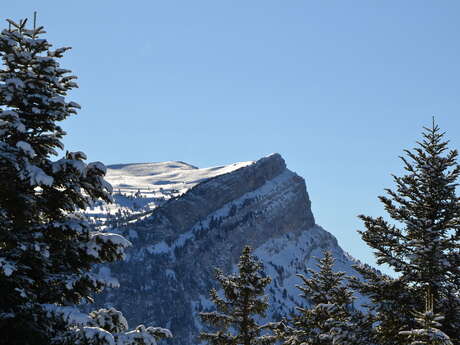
428,323
422,244
391,302
328,316
47,250
243,300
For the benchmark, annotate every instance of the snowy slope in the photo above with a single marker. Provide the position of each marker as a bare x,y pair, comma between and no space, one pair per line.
141,187
151,177
184,221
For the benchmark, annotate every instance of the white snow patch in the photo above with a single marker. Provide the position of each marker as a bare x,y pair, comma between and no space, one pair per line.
159,248
36,175
71,314
7,267
26,148
105,274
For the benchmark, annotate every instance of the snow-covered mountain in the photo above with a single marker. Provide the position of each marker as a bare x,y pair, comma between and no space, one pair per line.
184,221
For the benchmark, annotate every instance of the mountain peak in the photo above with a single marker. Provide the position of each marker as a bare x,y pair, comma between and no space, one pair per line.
184,221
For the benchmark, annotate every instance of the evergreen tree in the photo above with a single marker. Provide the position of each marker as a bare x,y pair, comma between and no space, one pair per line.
391,302
47,248
329,316
243,301
109,327
429,334
421,244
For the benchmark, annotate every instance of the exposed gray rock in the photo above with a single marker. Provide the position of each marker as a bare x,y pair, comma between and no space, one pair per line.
170,268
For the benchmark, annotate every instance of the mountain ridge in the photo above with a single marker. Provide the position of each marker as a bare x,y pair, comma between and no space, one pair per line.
169,270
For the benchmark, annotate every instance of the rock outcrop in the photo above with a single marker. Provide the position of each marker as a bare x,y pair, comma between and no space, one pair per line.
169,270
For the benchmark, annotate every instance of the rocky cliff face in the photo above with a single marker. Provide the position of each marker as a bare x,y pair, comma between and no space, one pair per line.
185,221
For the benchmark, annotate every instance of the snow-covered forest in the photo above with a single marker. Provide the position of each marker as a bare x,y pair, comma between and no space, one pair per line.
51,244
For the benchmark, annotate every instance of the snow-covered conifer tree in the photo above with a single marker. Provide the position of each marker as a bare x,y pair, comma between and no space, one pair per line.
109,327
328,316
391,302
47,249
428,334
422,244
242,301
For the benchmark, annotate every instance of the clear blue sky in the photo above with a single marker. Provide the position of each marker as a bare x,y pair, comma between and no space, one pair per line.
339,88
